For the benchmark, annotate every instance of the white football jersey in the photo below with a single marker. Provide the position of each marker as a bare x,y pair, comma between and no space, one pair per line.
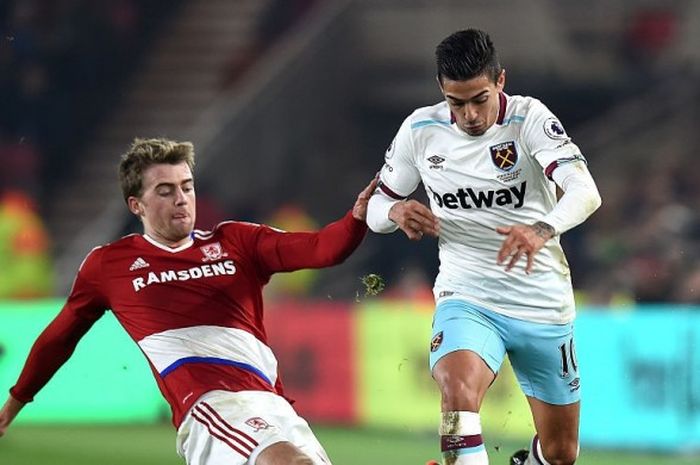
477,183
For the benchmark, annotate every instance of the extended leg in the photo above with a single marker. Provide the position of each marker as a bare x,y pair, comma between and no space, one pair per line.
556,442
463,378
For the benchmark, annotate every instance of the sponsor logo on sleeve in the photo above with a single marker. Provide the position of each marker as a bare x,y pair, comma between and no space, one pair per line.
554,129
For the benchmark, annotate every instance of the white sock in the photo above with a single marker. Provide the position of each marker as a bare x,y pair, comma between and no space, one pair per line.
536,457
461,441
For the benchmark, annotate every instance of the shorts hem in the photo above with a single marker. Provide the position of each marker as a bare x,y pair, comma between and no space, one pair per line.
550,400
489,363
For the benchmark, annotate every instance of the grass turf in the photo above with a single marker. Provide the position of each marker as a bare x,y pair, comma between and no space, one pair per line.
155,445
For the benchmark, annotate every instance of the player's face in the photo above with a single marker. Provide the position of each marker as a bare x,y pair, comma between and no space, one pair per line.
167,205
474,103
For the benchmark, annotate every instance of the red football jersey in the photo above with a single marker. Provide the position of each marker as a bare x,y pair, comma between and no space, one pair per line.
195,311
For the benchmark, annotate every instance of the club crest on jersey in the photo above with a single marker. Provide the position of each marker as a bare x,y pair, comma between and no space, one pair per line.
257,423
504,155
436,342
212,252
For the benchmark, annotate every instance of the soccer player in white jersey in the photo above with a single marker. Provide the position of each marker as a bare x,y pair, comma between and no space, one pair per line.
490,164
192,301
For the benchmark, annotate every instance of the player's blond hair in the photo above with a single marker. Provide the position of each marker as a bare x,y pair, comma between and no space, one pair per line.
146,152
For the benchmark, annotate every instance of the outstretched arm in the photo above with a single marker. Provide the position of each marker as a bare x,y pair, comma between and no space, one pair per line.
8,413
289,251
359,210
50,351
56,343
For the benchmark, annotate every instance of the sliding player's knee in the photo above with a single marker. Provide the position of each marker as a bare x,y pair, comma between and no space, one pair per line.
560,453
301,460
283,453
296,459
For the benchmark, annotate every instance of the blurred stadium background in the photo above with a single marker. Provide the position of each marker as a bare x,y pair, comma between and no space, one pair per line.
291,104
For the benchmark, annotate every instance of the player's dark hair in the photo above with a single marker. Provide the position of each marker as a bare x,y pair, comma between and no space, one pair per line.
146,152
465,55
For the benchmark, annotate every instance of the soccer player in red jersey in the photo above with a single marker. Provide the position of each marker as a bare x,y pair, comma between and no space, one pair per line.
192,301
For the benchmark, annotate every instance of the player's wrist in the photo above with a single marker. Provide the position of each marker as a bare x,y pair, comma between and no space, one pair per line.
394,213
10,410
544,230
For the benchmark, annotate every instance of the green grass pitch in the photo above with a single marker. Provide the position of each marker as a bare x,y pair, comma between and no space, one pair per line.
155,445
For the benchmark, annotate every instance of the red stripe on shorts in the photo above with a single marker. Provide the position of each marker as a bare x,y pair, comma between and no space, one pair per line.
203,413
233,430
220,436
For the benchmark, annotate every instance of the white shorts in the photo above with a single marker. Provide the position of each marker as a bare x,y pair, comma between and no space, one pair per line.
233,428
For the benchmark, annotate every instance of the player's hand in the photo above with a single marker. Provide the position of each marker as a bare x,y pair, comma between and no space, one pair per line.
359,210
523,240
414,219
8,413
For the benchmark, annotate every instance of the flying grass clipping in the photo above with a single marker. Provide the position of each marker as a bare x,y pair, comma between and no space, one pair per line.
374,284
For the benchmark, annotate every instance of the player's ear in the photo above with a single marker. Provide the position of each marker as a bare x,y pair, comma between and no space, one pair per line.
134,206
501,81
439,82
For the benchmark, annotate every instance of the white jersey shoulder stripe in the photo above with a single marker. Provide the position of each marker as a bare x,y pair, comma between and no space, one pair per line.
429,122
513,119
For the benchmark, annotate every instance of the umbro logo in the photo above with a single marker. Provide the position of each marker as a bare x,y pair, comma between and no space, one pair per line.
436,161
575,384
138,264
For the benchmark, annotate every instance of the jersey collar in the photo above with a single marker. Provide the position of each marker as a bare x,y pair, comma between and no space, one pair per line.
184,246
502,102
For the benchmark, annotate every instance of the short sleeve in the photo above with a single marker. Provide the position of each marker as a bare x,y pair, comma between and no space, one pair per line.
546,140
399,176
